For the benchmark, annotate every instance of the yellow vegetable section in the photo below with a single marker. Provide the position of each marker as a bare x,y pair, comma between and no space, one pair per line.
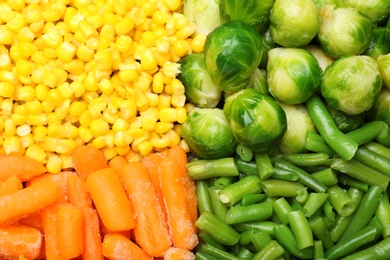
101,73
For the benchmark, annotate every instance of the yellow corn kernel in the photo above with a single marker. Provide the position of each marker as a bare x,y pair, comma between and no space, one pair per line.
163,127
17,5
109,152
137,15
124,26
8,76
143,82
6,89
99,127
167,114
39,132
47,108
145,148
181,48
148,60
178,100
162,46
6,36
23,130
27,140
36,152
140,98
67,162
85,118
181,22
85,134
26,93
122,150
77,108
50,78
99,142
186,31
105,86
174,138
181,115
95,20
84,53
74,66
24,67
109,139
9,127
20,108
62,110
54,12
16,23
164,101
54,98
11,145
159,141
34,107
39,58
5,61
66,51
171,69
103,59
184,145
123,43
160,17
198,42
149,38
56,130
78,88
168,88
54,163
41,92
27,48
128,75
173,5
177,87
90,82
97,106
25,35
66,146
6,107
50,144
148,123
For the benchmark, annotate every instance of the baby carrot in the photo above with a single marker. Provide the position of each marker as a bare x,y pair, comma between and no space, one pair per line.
88,159
118,247
110,199
70,231
117,163
49,220
33,220
23,167
18,240
175,253
11,184
151,230
182,229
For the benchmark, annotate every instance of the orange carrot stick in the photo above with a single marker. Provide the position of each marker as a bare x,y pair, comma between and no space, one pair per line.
23,167
18,240
180,155
117,163
80,198
20,203
150,231
11,184
182,229
88,159
49,220
110,199
33,220
118,247
70,231
175,253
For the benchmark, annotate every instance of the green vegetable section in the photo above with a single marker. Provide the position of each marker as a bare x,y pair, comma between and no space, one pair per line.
290,137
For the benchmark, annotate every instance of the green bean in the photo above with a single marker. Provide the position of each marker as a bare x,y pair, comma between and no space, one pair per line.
204,169
341,201
233,193
318,250
314,202
373,160
301,229
267,226
315,143
246,236
223,181
247,168
264,165
208,239
308,159
352,182
219,209
321,232
281,207
217,253
219,230
367,132
203,256
281,188
282,174
384,137
255,212
383,214
378,149
327,176
271,251
203,195
374,222
244,253
260,239
303,196
244,153
249,199
340,142
379,251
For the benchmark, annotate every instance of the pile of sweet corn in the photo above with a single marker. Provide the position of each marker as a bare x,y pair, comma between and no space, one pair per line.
103,73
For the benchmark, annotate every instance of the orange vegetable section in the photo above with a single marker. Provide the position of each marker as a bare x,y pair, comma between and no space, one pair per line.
121,210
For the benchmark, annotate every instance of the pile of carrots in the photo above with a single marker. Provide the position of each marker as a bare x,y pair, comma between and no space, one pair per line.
99,209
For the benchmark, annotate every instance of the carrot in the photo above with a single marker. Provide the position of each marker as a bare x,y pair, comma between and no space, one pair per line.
70,231
117,163
180,155
20,203
150,231
88,159
110,199
22,257
118,247
11,184
182,229
33,220
80,198
18,240
175,253
23,167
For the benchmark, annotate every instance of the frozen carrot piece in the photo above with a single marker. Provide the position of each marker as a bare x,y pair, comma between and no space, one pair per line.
110,200
80,198
175,253
11,184
32,220
117,163
49,220
118,247
22,257
87,159
18,240
20,203
182,229
150,231
23,167
70,231
180,155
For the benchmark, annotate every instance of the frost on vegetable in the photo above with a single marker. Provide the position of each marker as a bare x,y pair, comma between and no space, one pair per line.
376,10
293,74
199,88
232,53
344,31
208,134
294,23
381,108
352,84
257,121
383,62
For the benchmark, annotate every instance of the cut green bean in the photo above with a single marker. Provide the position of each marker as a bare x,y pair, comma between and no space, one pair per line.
204,169
352,182
273,250
303,196
374,222
246,236
267,226
264,165
255,212
203,195
219,209
329,212
260,239
378,148
233,193
281,188
314,203
249,199
282,174
219,230
373,160
321,232
318,250
340,142
301,229
327,176
281,207
379,251
244,153
247,168
223,182
383,214
217,253
208,239
367,132
384,137
315,143
199,255
244,253
308,159
340,200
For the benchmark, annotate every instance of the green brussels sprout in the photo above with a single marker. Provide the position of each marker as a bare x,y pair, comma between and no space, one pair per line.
199,88
321,3
380,110
252,12
323,59
376,10
294,23
204,13
232,52
379,44
383,62
268,44
293,75
344,122
352,84
298,124
208,134
344,31
256,120
258,81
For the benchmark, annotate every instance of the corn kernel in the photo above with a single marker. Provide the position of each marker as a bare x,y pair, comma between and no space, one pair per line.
140,98
159,142
178,100
123,43
181,48
12,145
23,130
85,134
66,146
67,162
96,107
24,67
84,53
105,86
167,114
36,152
62,110
6,36
148,60
145,148
99,127
54,163
9,127
122,150
16,23
99,142
66,51
26,141
27,48
39,132
6,89
198,42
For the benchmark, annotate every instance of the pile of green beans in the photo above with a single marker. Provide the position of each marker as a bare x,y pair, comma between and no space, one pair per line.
331,202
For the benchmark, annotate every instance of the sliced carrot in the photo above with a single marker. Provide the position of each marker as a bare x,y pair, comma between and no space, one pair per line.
18,240
110,200
23,167
117,163
87,159
70,231
118,247
150,231
11,184
175,253
182,228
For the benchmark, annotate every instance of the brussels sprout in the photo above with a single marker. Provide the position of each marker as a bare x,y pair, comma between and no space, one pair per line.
252,12
204,13
294,23
323,59
344,31
321,3
199,88
256,120
352,84
232,53
383,62
293,75
268,44
298,124
381,109
379,44
344,122
208,134
376,10
258,81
